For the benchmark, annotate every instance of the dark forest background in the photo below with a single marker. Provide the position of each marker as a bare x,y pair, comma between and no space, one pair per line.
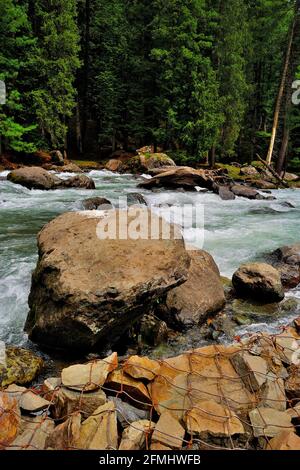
197,78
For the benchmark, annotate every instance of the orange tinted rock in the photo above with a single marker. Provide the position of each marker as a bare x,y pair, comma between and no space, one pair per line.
203,374
66,435
10,419
168,431
286,440
209,418
136,435
91,376
129,389
141,367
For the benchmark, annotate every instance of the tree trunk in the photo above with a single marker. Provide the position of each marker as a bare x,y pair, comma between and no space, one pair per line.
281,91
212,157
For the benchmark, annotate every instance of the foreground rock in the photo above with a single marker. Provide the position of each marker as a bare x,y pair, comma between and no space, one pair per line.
258,281
19,366
202,294
89,377
87,290
39,178
99,431
287,260
10,419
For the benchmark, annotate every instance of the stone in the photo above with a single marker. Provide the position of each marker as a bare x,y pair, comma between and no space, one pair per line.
291,177
267,422
136,198
263,184
259,281
27,399
129,389
159,446
126,413
66,402
248,171
203,293
225,193
288,348
35,432
141,368
39,178
152,331
297,324
155,160
57,157
244,191
287,260
273,393
252,369
34,178
168,431
10,419
78,181
136,435
96,203
209,418
292,384
99,431
203,374
180,177
285,440
66,435
294,413
68,168
91,376
22,367
113,165
86,290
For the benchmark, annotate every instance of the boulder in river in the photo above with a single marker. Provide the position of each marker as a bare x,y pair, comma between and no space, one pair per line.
87,290
39,178
287,260
183,177
96,203
259,281
244,191
202,294
34,178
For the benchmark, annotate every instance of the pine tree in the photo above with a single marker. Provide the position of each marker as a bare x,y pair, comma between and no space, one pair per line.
16,44
188,100
55,62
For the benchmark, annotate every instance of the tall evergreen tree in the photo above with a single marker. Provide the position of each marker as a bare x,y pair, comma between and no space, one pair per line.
16,44
55,63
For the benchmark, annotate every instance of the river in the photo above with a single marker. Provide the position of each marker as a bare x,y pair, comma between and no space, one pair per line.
234,232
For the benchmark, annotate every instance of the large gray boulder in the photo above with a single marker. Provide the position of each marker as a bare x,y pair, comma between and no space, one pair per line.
87,291
34,178
258,281
202,294
39,178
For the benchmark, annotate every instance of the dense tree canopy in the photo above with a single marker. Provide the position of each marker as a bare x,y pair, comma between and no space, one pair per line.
195,77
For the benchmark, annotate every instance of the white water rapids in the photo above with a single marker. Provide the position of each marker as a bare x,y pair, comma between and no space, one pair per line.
234,232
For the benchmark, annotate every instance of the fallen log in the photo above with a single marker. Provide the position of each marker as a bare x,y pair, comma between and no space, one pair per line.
271,170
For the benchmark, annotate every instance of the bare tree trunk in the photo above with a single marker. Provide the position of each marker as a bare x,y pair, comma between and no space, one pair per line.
281,91
212,157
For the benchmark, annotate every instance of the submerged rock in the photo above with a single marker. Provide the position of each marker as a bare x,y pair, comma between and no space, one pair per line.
86,290
258,281
202,294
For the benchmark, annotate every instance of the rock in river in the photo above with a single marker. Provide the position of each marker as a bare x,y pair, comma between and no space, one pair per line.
87,290
38,178
258,281
202,294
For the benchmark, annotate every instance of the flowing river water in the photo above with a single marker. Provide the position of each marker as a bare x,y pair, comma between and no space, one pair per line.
234,232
